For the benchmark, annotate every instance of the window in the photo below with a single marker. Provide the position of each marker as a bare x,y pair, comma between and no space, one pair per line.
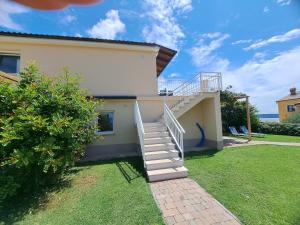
9,63
291,108
106,123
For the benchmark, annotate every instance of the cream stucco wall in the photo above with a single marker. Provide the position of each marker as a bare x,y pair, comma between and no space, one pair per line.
208,114
124,126
105,70
189,120
152,107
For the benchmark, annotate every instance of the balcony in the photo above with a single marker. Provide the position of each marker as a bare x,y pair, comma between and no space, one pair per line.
202,82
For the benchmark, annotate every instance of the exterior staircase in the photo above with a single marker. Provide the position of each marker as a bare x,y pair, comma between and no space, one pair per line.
186,104
162,142
161,156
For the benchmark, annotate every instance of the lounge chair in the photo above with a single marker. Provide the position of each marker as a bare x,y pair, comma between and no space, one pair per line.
245,131
234,132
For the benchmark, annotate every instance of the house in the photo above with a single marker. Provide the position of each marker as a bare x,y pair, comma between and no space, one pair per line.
289,104
140,115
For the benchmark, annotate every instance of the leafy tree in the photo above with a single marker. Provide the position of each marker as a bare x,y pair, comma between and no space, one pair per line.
234,111
294,118
45,124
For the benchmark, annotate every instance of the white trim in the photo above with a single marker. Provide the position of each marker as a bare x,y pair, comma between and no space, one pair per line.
91,44
105,132
10,53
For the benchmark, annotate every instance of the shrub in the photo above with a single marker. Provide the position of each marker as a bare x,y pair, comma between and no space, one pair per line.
294,118
234,111
279,128
44,127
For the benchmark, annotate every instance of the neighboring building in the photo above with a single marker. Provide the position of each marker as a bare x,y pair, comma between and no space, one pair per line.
125,75
289,104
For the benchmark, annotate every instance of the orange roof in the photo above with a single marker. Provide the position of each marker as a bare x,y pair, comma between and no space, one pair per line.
290,97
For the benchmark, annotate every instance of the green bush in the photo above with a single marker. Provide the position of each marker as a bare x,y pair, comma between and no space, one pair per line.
294,118
234,111
279,128
44,126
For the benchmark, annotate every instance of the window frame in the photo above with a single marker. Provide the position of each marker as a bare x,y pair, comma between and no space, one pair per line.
113,123
18,61
292,107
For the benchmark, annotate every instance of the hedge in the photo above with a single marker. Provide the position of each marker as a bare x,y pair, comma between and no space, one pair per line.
279,128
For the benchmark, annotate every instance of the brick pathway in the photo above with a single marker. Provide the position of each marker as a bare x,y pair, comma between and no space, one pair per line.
183,201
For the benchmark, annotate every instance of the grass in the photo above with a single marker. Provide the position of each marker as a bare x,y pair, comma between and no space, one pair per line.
107,193
277,138
259,184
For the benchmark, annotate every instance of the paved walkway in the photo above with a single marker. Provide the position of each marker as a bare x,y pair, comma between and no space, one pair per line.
236,142
183,201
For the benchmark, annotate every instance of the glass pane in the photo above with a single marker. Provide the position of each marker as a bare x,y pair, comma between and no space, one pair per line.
105,122
9,63
291,108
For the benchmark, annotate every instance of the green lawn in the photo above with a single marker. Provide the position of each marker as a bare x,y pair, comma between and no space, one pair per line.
107,193
259,184
277,138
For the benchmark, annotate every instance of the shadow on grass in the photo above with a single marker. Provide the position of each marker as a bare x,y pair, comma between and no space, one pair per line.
201,154
130,167
14,209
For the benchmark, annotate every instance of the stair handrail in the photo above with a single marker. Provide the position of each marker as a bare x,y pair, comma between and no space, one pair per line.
202,82
214,83
140,129
174,128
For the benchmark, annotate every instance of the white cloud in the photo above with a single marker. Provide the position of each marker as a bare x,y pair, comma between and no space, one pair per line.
203,54
109,27
284,2
238,42
174,75
266,9
68,19
290,35
7,9
163,15
266,81
78,35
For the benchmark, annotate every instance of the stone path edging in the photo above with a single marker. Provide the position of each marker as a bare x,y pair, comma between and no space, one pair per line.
231,142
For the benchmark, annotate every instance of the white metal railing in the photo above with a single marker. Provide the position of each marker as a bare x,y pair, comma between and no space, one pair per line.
168,84
174,128
202,82
140,129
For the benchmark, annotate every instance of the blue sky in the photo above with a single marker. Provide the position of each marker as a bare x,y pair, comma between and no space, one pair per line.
255,44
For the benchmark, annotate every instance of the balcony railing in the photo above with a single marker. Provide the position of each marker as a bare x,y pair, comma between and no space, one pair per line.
202,82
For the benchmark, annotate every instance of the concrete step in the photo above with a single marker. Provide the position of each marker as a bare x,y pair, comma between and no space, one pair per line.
167,174
156,124
156,134
166,154
157,140
151,129
163,163
159,147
